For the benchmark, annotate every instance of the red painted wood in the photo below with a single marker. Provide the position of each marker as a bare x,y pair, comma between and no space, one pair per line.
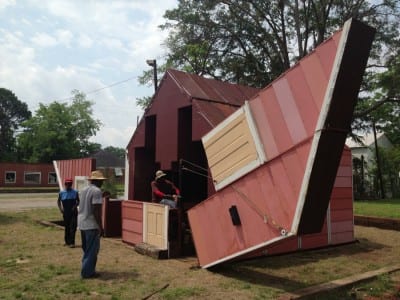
341,215
341,203
266,136
315,78
311,241
302,93
326,53
274,117
132,221
344,226
289,109
342,237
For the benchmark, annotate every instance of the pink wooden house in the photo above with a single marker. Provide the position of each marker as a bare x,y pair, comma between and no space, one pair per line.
282,179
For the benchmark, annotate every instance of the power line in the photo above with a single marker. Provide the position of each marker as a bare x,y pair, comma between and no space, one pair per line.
102,88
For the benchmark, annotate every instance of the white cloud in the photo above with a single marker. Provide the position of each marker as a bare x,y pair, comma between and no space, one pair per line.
64,37
85,41
5,3
63,45
43,40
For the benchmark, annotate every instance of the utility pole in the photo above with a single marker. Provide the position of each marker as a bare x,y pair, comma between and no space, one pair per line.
378,163
153,63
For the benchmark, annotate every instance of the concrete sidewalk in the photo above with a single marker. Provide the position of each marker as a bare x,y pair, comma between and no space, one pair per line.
339,283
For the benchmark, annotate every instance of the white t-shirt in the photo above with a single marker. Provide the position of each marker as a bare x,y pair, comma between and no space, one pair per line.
89,196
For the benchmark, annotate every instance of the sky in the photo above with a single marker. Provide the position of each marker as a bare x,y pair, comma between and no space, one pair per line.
50,47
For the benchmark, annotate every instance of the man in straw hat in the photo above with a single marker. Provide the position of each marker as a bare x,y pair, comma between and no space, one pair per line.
89,223
68,201
164,191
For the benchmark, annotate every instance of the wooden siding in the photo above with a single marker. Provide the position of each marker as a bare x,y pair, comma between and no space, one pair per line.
231,148
132,222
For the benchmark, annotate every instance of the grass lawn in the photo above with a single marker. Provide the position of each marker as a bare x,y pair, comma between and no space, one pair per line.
378,208
35,265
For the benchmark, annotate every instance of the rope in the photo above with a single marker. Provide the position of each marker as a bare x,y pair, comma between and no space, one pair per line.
267,220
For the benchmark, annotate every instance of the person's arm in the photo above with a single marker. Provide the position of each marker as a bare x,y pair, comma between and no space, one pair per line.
96,204
156,191
76,202
59,204
97,216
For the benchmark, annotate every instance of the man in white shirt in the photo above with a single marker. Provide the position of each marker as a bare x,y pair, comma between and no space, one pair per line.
89,223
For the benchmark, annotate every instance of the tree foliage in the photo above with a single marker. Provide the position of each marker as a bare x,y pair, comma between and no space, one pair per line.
119,152
12,113
59,131
252,42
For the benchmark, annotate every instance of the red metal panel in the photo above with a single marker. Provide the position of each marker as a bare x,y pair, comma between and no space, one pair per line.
326,53
75,167
266,136
268,191
315,77
206,115
290,111
273,116
302,93
208,89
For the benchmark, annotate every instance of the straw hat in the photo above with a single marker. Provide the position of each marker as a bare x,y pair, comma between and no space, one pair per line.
97,175
160,174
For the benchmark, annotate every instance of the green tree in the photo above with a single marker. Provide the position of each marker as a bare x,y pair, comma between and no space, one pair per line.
253,41
12,113
119,152
59,131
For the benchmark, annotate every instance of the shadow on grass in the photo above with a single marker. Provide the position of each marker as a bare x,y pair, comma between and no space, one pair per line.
110,275
255,270
6,220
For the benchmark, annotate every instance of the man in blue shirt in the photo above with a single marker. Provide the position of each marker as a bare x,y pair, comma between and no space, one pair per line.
90,223
68,201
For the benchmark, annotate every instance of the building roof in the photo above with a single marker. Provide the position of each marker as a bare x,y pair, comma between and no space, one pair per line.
208,89
106,159
212,100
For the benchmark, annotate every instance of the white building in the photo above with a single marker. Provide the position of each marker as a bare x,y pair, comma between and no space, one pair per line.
367,147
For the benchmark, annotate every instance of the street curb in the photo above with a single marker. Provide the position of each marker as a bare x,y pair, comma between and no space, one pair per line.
339,283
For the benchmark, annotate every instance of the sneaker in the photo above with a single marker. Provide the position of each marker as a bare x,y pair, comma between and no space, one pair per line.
71,246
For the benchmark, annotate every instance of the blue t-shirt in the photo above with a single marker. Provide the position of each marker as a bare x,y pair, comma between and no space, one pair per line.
69,199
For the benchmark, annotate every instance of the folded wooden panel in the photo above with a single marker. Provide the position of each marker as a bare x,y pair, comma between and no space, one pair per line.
301,120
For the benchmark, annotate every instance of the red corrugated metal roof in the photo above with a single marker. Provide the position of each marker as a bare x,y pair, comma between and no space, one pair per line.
213,90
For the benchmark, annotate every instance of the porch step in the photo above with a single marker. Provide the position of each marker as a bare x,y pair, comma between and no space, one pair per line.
150,250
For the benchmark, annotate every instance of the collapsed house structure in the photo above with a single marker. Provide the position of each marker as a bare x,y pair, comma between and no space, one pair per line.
278,176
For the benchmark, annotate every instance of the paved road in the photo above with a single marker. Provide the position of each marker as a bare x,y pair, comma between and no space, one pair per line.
26,201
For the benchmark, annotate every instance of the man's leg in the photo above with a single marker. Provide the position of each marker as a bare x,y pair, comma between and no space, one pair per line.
170,203
90,247
67,227
72,229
